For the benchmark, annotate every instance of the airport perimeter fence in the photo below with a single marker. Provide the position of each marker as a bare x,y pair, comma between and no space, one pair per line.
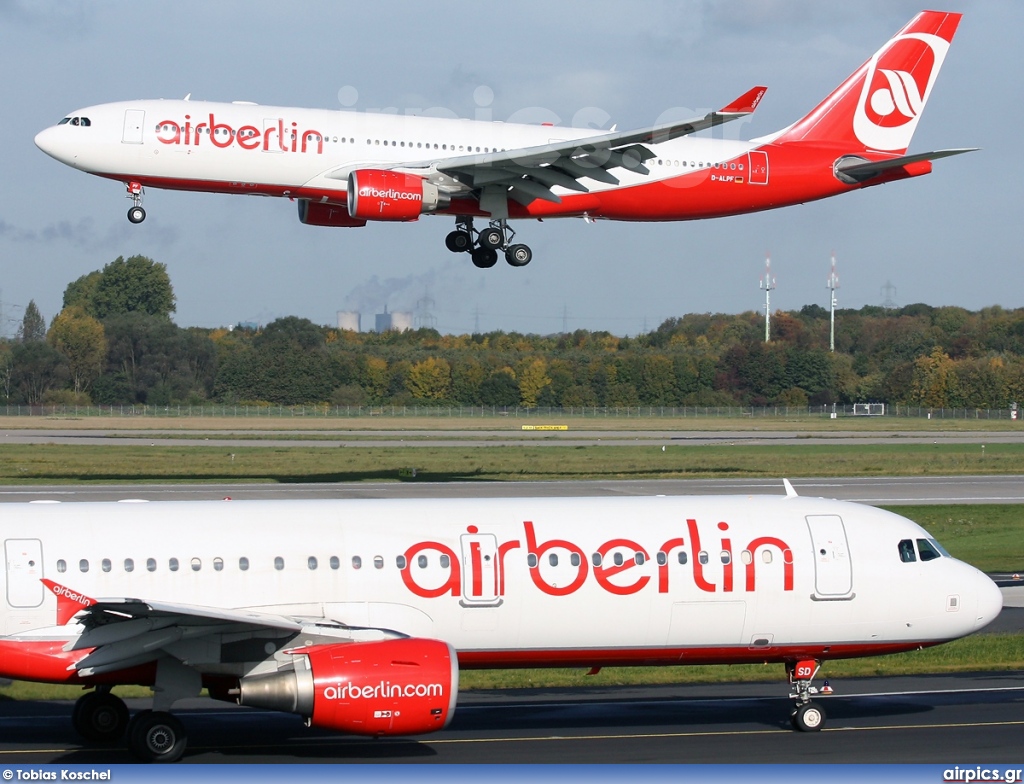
858,411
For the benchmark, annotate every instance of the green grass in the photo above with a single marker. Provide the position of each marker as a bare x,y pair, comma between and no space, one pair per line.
58,463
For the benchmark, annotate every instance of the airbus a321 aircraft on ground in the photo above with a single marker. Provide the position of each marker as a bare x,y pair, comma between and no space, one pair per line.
358,614
348,168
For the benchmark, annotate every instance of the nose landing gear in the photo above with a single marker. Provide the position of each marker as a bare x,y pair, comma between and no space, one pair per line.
806,716
484,250
136,214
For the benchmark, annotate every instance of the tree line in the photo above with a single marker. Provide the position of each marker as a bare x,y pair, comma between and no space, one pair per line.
114,342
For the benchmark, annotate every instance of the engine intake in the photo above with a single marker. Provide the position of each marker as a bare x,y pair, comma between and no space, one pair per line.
391,687
377,194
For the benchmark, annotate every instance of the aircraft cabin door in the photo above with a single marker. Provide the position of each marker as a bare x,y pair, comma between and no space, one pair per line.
757,167
481,577
24,572
833,568
134,119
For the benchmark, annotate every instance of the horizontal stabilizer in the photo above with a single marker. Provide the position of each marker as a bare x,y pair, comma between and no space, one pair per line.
855,169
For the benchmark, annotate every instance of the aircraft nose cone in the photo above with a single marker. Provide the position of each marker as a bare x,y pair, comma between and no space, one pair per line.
990,601
46,142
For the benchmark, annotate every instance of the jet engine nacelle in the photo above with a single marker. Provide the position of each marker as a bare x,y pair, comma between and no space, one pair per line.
318,214
376,194
393,687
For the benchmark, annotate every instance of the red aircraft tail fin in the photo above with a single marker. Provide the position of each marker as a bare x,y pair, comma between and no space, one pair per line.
878,106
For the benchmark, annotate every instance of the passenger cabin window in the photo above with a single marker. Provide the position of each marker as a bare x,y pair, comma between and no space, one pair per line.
195,564
218,564
105,565
702,556
172,564
445,561
335,562
83,565
151,564
531,560
907,551
62,565
400,562
129,565
357,562
378,562
421,561
243,564
279,563
311,563
928,553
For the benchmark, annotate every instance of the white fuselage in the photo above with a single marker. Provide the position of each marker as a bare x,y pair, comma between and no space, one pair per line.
518,581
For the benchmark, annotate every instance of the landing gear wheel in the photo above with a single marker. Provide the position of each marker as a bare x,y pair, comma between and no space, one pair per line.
809,717
100,717
519,255
136,215
493,238
485,258
155,736
458,241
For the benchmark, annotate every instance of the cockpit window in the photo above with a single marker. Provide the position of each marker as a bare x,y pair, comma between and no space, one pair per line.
927,551
907,554
942,550
84,121
65,121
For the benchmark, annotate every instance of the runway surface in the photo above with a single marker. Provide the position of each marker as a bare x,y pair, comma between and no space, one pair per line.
868,490
933,719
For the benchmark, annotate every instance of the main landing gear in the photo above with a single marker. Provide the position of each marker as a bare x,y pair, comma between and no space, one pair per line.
484,249
99,716
153,736
136,214
806,716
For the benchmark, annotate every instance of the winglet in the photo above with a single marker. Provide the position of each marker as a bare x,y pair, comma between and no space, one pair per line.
68,602
746,103
790,492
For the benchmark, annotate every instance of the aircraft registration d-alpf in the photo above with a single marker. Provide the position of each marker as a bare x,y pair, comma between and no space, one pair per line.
359,614
349,168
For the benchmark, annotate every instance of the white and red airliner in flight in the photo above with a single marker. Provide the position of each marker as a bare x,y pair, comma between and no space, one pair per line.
348,168
359,614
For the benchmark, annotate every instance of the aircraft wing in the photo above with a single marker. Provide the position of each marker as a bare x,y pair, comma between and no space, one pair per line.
126,632
530,172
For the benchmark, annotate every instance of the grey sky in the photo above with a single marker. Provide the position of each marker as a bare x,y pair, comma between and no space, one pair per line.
949,238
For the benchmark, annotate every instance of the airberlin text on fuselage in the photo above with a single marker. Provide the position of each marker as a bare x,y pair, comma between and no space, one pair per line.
621,576
275,136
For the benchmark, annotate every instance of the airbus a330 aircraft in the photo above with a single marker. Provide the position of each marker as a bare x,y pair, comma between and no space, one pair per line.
359,614
348,168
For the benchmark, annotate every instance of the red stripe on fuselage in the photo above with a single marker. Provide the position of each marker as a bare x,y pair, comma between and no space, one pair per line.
796,174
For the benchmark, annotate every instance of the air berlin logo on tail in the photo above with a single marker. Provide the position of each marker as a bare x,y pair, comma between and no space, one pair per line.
896,86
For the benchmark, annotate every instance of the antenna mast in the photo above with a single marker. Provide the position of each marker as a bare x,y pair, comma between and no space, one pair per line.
768,285
833,284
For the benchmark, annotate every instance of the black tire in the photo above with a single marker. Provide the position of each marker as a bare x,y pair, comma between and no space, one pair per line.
809,717
100,717
136,215
485,258
155,736
458,241
519,255
492,238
